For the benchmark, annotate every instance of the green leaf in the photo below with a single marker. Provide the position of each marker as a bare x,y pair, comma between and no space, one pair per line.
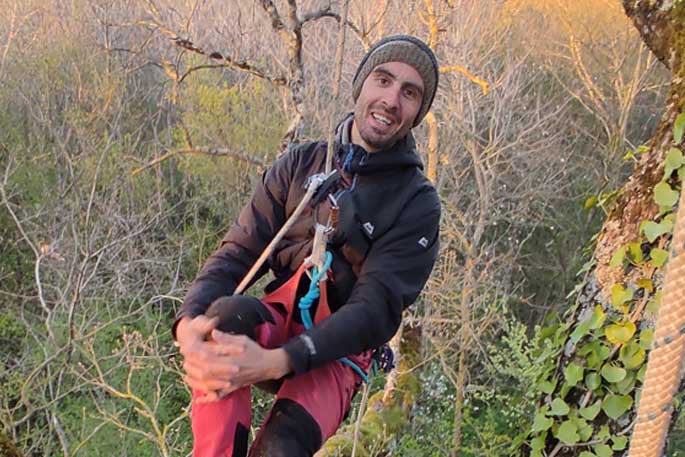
590,412
587,454
580,331
547,332
593,381
679,128
613,373
620,295
635,253
664,195
591,202
598,317
620,333
602,450
603,433
538,442
593,361
641,373
674,160
598,355
620,442
573,373
558,408
586,348
646,284
541,422
615,406
618,257
652,230
584,432
603,352
547,386
646,338
632,355
658,256
626,385
654,304
568,432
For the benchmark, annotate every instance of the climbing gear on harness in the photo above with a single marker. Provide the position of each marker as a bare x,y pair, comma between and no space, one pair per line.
318,276
325,189
384,359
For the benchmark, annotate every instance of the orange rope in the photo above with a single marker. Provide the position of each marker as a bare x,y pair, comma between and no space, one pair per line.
665,365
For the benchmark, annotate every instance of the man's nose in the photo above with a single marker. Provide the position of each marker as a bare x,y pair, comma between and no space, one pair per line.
391,97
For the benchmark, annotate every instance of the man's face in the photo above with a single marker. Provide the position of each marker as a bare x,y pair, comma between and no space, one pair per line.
387,106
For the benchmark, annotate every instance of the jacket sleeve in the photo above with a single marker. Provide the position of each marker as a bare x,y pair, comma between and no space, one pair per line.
394,273
258,222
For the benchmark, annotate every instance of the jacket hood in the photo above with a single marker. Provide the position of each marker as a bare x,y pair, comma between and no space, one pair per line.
356,160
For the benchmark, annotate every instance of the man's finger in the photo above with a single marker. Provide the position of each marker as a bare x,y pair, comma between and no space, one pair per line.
206,385
203,324
221,348
220,368
239,342
208,351
209,397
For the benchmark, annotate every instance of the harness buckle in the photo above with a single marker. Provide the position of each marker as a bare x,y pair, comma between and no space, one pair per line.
318,257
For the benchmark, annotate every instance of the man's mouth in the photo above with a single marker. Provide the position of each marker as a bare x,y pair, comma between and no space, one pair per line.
382,119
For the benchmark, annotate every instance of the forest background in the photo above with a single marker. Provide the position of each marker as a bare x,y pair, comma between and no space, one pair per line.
126,150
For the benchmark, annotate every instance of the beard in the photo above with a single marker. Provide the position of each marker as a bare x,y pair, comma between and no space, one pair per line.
376,139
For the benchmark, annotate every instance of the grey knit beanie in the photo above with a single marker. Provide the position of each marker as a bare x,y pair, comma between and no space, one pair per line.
407,49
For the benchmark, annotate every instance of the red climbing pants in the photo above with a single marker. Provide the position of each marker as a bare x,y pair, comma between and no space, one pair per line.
308,407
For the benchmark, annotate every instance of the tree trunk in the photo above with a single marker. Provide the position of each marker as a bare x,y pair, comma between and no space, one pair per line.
386,416
589,400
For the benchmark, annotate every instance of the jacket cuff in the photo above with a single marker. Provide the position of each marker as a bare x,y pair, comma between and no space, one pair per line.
300,350
191,313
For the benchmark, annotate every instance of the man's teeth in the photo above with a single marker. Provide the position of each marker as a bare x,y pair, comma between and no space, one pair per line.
381,119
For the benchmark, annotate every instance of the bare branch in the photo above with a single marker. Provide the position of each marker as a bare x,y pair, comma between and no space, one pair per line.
270,8
216,152
459,69
314,15
363,37
229,62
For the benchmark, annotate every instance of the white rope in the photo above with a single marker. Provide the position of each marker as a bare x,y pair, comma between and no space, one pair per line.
314,183
336,84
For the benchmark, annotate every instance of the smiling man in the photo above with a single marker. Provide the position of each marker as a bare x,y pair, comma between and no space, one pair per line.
383,247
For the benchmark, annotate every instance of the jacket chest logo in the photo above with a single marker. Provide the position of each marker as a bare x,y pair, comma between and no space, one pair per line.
423,242
368,226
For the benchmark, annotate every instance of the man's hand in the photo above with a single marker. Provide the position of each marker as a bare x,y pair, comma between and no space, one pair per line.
219,363
206,364
250,363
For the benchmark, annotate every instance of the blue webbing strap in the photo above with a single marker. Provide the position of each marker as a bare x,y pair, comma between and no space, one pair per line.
306,303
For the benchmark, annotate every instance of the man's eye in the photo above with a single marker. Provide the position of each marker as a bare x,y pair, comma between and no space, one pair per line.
410,93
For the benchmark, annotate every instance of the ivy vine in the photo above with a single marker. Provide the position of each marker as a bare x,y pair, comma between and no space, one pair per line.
587,403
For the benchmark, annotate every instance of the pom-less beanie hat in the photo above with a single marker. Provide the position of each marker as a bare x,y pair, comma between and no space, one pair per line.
406,49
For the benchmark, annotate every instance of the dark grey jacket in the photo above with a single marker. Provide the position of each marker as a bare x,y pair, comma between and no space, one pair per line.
380,266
